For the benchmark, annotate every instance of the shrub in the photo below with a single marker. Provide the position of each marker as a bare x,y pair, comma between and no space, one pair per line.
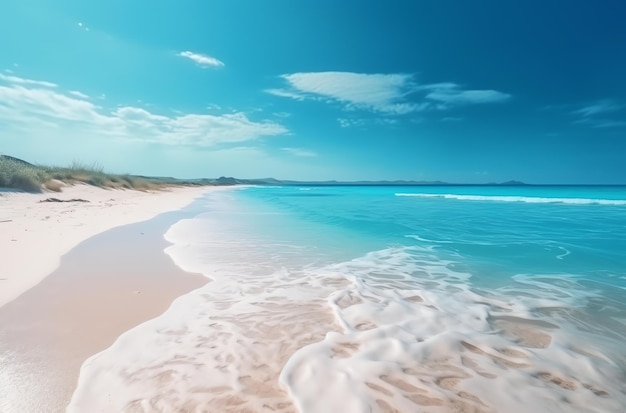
26,180
18,174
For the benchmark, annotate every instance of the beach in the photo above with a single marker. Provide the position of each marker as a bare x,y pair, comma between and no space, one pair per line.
74,276
382,299
320,299
36,234
312,207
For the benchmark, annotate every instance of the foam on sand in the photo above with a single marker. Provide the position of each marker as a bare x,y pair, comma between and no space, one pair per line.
103,287
394,330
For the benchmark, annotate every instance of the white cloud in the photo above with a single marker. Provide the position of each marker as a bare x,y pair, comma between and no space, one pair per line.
201,59
19,103
386,94
305,153
383,93
37,108
78,94
22,81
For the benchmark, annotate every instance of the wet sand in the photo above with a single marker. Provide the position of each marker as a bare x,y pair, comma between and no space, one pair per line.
35,233
103,287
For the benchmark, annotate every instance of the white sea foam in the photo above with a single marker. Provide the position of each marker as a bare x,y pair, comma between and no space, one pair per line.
427,240
528,199
393,330
566,252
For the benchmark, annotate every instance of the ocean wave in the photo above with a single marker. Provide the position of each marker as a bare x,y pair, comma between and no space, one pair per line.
527,199
394,330
286,329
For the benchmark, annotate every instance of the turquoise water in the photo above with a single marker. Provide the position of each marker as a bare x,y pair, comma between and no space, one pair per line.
354,299
496,234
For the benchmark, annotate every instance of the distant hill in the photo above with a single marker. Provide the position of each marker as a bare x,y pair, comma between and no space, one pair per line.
229,180
363,183
272,181
513,183
223,180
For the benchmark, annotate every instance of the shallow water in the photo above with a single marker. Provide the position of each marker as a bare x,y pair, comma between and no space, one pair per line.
353,299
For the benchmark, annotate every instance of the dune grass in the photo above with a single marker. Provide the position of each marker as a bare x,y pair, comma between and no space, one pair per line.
18,174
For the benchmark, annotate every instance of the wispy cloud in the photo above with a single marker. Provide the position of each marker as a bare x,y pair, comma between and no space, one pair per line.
22,81
78,94
202,59
452,94
603,106
28,105
598,114
351,122
365,122
282,115
600,123
300,152
385,94
286,94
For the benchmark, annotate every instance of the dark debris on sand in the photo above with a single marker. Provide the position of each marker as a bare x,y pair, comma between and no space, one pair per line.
64,200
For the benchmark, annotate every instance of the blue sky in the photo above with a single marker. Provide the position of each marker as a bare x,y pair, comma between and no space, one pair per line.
427,90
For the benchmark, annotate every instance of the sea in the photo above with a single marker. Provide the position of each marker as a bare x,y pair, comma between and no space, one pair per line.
355,299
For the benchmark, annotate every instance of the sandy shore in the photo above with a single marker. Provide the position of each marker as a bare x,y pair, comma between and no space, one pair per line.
34,235
102,287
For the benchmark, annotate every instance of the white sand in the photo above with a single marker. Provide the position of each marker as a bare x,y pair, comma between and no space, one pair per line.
34,235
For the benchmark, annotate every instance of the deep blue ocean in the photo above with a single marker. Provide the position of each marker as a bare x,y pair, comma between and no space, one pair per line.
392,298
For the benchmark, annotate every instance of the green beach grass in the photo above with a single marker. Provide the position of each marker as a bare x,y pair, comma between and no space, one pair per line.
21,175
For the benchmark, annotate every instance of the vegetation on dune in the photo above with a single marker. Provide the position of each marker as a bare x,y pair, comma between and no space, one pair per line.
15,173
18,174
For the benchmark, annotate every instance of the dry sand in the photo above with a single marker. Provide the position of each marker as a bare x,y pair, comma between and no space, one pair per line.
103,287
34,235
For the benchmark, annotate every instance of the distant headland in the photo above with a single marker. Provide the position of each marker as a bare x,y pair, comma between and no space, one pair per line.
20,174
273,181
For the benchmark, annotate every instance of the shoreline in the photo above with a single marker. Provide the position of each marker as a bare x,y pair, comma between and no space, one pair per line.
399,327
35,235
269,334
103,287
64,264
